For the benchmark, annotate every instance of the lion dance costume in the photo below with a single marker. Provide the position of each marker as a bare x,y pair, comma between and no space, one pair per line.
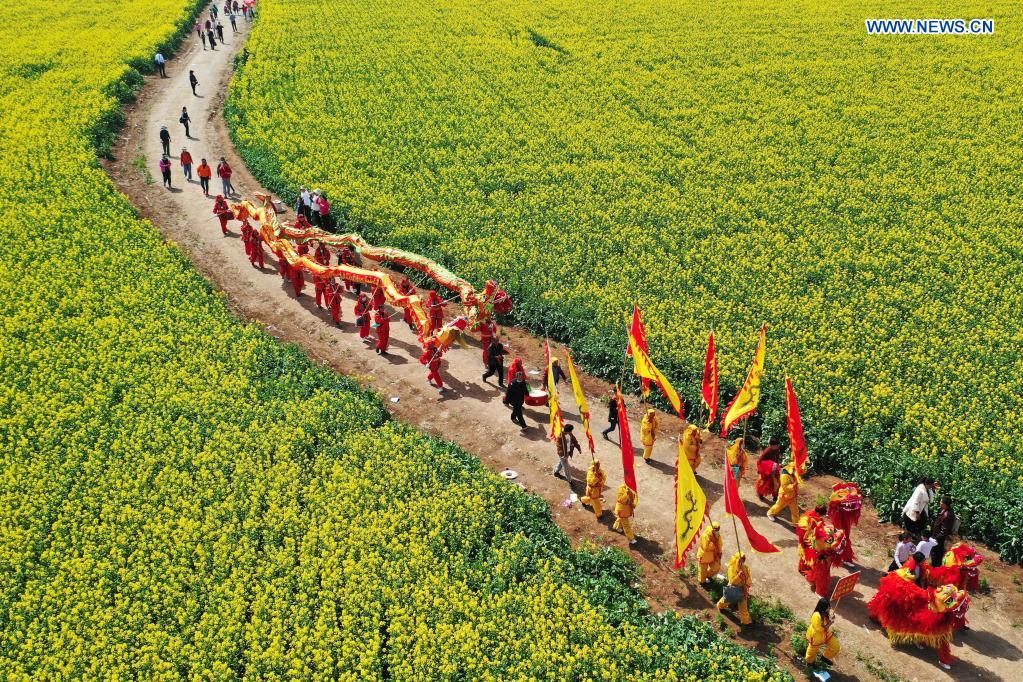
921,616
844,511
822,545
960,567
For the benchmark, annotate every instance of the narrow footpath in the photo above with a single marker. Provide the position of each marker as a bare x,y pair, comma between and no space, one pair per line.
472,415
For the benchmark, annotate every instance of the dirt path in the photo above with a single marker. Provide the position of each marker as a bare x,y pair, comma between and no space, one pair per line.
472,415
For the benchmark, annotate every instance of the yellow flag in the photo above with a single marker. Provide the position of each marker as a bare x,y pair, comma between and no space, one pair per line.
580,400
645,368
690,510
557,420
746,401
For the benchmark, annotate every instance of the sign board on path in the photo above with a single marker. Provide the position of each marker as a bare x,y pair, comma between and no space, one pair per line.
844,587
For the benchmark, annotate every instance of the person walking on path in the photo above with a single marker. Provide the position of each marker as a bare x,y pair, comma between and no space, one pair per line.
625,508
648,432
161,64
736,595
234,23
212,39
165,140
202,37
198,29
915,512
165,167
612,415
186,163
213,11
220,32
595,480
222,211
224,173
515,397
495,362
184,120
205,173
820,635
788,495
567,445
193,81
710,552
382,324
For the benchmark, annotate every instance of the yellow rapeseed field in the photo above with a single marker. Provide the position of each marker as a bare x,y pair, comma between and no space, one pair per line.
721,164
181,497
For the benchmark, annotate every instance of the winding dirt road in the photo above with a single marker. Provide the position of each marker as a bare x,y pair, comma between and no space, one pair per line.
472,415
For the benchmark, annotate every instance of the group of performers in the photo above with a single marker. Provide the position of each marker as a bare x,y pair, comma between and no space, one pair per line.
916,602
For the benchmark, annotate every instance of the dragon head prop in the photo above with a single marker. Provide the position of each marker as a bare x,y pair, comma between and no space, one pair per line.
845,504
496,299
949,599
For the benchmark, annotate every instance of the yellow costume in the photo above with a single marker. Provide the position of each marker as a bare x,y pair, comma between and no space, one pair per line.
648,432
820,635
739,576
595,479
710,552
788,494
625,507
738,457
689,446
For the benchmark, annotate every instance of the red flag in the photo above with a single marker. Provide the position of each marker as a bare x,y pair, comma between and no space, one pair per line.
628,454
797,440
638,332
734,507
710,380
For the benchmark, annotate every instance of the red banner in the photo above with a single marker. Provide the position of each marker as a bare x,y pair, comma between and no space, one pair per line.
797,441
710,380
637,331
628,454
734,507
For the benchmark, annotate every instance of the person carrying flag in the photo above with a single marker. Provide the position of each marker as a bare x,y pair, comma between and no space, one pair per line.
566,445
689,446
737,459
710,552
648,432
736,595
788,495
625,509
595,480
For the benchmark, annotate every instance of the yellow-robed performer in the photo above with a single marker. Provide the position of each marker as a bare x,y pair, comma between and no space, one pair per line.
740,580
625,508
595,480
648,432
689,446
821,635
788,495
710,552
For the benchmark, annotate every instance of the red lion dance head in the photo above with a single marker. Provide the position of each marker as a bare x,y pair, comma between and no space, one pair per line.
845,504
961,567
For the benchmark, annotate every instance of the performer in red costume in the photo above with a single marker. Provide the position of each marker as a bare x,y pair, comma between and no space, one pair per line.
912,614
769,471
222,211
382,323
805,530
378,297
320,287
302,223
346,257
487,331
334,299
322,255
435,307
844,512
362,315
431,357
405,287
827,547
247,238
256,256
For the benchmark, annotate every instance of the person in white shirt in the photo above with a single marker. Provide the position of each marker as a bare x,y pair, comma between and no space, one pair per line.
914,514
927,545
903,550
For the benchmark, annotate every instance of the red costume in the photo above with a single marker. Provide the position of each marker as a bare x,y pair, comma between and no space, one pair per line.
247,239
322,254
320,286
431,357
382,322
435,306
362,315
346,257
405,287
769,472
302,223
256,256
378,297
911,614
961,567
487,331
826,544
222,211
844,511
334,300
516,369
297,279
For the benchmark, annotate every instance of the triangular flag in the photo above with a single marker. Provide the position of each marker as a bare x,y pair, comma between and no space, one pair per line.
748,397
690,510
580,400
646,369
734,507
